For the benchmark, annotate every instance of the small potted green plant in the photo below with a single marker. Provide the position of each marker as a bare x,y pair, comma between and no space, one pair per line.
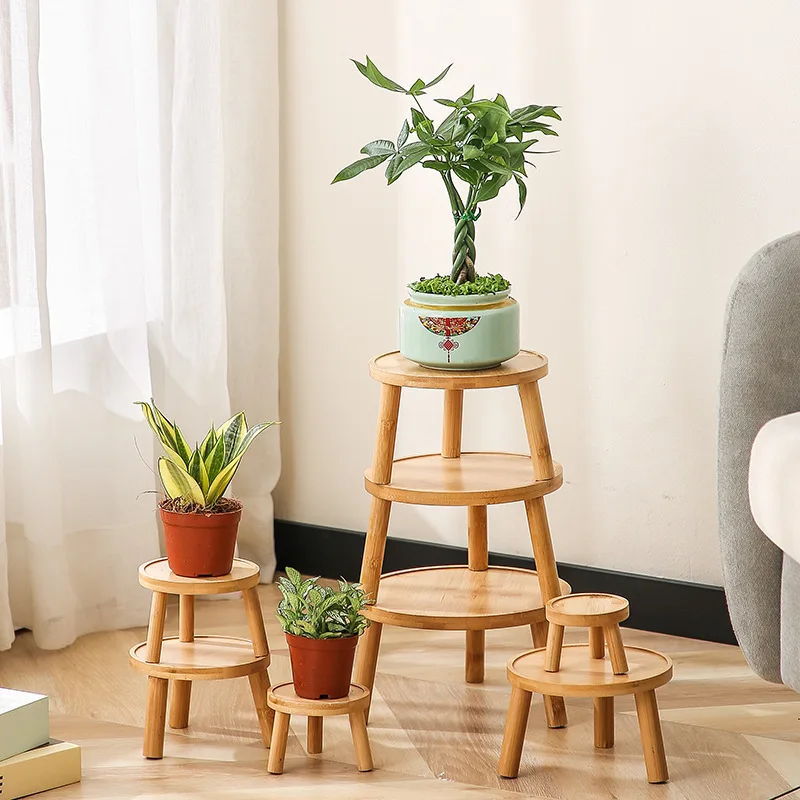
460,320
200,524
322,626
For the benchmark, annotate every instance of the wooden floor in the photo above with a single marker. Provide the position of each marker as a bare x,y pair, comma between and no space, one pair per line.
728,734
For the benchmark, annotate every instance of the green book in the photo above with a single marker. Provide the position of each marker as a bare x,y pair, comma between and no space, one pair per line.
24,722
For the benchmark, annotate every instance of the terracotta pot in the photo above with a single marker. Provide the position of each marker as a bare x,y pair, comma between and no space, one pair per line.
200,545
321,668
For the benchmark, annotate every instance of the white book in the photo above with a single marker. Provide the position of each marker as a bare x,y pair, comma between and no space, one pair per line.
55,764
24,721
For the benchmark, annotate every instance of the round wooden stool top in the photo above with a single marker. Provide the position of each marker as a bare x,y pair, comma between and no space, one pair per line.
396,370
158,577
588,610
282,697
583,676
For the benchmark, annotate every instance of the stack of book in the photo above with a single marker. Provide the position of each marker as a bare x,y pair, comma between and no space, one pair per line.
30,761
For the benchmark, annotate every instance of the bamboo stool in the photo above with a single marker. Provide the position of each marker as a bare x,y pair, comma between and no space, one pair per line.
285,702
185,658
583,675
601,614
474,597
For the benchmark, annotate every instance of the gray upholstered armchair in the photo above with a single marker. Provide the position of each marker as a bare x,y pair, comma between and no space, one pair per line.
760,384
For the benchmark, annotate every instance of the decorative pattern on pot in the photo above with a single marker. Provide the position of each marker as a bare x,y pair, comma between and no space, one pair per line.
449,327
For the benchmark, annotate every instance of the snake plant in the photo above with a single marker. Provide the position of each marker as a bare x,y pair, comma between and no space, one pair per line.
320,612
481,143
198,478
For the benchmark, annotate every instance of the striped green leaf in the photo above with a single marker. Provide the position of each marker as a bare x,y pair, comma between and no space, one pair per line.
250,436
179,483
182,446
222,481
215,460
197,469
167,428
208,442
233,435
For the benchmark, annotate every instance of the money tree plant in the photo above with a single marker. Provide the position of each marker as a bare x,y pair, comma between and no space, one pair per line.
477,149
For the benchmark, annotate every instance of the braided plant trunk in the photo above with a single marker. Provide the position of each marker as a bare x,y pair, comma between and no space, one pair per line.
464,247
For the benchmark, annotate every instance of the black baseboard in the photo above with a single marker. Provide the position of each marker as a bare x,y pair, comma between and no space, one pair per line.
678,608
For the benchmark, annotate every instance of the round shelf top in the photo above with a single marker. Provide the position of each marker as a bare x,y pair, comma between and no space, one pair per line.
158,577
471,479
587,610
458,598
394,369
207,658
581,675
283,697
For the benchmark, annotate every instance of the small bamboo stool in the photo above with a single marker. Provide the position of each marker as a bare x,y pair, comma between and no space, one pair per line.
600,613
581,674
285,702
185,658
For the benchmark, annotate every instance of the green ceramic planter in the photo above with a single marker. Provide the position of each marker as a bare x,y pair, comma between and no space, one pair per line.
467,332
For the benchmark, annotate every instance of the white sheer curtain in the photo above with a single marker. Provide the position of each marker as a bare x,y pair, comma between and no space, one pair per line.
138,257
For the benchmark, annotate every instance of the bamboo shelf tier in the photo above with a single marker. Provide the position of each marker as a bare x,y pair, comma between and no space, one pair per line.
455,598
471,479
475,597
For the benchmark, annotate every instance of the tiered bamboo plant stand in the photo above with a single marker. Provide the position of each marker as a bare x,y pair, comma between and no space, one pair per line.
477,597
185,658
581,670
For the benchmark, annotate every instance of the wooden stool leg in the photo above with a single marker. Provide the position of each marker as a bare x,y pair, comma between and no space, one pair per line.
555,640
314,735
514,734
182,690
358,728
367,659
155,717
280,737
655,758
554,709
374,546
259,684
255,622
535,428
155,630
474,661
603,722
478,549
597,644
451,426
616,650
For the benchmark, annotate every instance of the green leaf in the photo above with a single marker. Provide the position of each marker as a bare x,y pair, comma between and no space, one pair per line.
402,137
523,193
373,74
536,127
445,102
250,436
514,129
167,427
378,148
448,124
494,166
391,167
441,166
422,124
215,460
179,483
294,576
417,87
221,482
412,154
182,446
467,173
438,78
491,188
501,101
197,469
208,442
470,151
467,96
357,167
232,432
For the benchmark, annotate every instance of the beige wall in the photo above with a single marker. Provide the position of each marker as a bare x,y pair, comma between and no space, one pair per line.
680,156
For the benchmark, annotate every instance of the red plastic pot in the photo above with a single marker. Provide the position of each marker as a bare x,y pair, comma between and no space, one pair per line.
321,668
200,545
